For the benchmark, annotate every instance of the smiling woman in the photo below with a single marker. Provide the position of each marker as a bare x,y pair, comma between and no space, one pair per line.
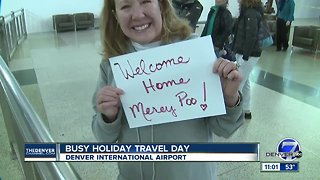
118,19
133,25
140,21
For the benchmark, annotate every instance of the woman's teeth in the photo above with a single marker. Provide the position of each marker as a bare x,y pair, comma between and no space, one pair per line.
140,28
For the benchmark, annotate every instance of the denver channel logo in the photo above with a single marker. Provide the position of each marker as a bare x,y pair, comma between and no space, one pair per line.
288,149
40,150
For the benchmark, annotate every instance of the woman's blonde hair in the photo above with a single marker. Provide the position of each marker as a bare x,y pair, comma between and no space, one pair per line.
114,41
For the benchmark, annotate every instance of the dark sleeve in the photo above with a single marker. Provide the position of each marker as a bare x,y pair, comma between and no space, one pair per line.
251,33
291,13
204,31
226,23
194,14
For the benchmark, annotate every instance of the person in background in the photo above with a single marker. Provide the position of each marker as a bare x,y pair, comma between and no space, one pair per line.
246,45
134,25
219,25
285,16
188,9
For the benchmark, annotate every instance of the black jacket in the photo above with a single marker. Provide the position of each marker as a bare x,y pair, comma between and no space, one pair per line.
246,32
222,27
190,10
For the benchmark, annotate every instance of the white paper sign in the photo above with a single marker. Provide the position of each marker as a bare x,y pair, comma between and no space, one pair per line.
169,83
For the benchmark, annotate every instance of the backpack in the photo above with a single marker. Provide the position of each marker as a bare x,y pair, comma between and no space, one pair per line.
264,35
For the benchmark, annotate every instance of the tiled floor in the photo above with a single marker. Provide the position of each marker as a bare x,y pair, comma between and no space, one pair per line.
58,73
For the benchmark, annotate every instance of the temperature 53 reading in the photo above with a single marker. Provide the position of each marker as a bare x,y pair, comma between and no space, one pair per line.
290,166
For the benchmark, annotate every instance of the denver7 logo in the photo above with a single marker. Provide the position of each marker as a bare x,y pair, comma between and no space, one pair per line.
289,149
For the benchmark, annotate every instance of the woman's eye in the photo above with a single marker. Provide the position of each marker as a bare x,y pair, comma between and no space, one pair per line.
146,1
124,7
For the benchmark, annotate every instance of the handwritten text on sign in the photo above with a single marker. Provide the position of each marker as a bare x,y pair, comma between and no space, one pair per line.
169,83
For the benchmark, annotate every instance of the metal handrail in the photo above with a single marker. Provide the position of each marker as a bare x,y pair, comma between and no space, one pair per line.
28,127
12,32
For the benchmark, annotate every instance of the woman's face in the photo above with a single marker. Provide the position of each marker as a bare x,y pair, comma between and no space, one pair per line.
140,20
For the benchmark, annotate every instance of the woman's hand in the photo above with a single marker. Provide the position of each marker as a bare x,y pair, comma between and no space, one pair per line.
230,79
108,102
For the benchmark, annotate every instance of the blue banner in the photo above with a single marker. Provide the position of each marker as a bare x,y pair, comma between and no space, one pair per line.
289,166
159,148
40,150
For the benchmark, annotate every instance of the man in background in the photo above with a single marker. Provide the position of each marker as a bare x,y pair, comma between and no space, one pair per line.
285,15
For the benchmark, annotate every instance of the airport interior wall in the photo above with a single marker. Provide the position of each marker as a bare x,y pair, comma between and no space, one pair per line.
39,12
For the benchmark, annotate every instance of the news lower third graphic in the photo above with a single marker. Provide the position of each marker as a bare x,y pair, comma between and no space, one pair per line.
288,149
84,152
279,167
40,152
